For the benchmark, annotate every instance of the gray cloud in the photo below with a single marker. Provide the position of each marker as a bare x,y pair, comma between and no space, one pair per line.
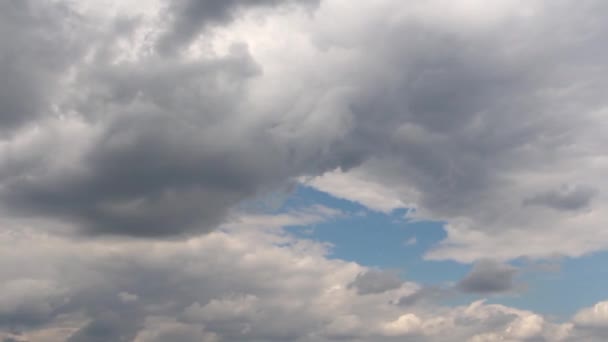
13,339
148,144
376,281
469,113
108,327
425,295
489,277
187,18
573,197
38,46
470,125
150,174
167,147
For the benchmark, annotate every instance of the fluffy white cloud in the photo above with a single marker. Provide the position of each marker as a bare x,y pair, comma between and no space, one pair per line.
596,316
229,285
408,324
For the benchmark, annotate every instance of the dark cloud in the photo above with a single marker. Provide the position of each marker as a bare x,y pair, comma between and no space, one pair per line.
425,295
179,333
171,149
169,144
38,45
108,326
160,169
14,339
187,18
489,277
28,302
572,197
376,281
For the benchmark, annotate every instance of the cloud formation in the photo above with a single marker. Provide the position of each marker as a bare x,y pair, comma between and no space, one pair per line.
236,284
460,118
376,281
487,277
30,30
187,18
165,123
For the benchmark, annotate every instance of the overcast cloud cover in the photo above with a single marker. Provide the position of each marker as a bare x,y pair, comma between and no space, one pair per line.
134,137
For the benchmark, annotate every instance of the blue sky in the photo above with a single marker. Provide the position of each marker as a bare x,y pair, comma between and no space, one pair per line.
380,240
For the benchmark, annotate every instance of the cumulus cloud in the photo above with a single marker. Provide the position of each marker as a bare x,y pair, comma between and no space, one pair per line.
488,276
459,119
376,281
157,145
116,125
424,296
596,316
229,285
469,126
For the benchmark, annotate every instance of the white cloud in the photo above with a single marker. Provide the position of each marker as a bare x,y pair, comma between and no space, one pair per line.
408,324
596,316
348,186
232,285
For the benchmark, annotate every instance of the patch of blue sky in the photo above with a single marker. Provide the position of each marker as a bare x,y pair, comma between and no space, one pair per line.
377,239
551,292
389,241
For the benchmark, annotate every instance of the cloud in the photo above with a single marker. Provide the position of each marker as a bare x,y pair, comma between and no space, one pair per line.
458,120
12,339
160,330
424,296
230,285
147,145
596,316
408,324
30,30
187,18
489,277
443,142
115,126
108,326
28,302
376,281
349,186
566,198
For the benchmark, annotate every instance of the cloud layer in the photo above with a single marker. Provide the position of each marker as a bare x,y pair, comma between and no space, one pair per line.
250,281
468,118
120,121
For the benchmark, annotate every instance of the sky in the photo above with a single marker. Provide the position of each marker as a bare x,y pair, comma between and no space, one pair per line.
303,170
